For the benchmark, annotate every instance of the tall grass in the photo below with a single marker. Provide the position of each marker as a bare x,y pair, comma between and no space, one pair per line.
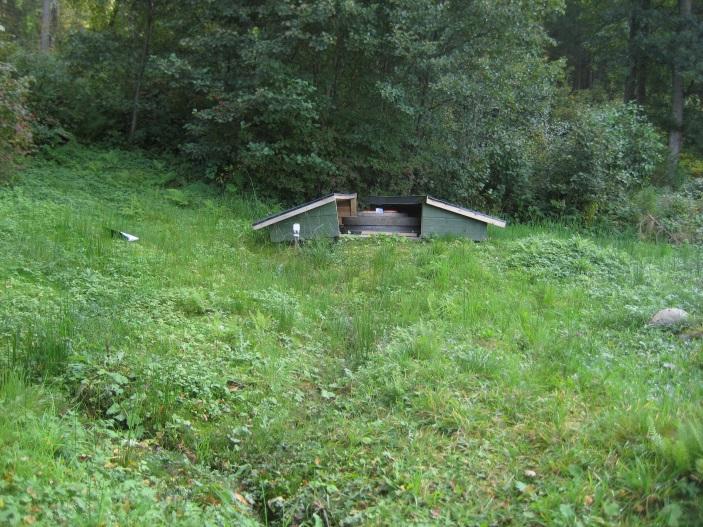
377,382
38,352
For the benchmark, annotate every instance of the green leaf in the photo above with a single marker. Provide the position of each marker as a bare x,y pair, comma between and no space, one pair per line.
567,511
611,508
326,394
114,409
674,513
118,378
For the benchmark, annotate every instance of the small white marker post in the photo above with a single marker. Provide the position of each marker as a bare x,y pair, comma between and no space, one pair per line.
296,233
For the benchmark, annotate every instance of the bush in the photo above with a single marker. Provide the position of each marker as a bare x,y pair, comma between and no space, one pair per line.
673,216
15,118
594,157
80,89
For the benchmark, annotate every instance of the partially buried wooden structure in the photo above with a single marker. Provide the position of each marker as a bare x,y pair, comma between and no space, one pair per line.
412,216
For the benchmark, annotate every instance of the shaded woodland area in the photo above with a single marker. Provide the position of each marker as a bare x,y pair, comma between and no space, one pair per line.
581,110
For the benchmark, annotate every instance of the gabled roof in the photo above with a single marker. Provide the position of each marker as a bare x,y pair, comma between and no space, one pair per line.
456,209
310,205
390,201
383,201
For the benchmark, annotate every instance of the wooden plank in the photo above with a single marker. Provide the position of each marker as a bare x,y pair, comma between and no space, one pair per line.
384,213
369,234
381,228
386,233
343,209
407,221
389,201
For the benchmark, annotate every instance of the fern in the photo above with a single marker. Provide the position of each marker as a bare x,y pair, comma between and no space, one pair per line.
654,436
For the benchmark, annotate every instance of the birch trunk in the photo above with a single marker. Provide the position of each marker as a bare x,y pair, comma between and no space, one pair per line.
142,68
46,19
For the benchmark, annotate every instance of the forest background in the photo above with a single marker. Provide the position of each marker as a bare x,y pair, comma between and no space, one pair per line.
588,111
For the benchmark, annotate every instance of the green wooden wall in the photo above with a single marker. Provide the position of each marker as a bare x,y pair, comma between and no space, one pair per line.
438,222
321,222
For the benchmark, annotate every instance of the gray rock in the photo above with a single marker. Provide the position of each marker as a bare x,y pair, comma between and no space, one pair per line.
668,317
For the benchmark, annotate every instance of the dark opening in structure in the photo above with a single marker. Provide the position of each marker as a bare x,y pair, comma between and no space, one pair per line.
400,215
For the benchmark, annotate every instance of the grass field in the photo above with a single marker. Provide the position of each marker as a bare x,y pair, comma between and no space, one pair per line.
203,376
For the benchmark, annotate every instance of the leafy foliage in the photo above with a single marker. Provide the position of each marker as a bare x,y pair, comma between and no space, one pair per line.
58,472
287,101
672,216
595,158
15,118
626,49
311,109
547,257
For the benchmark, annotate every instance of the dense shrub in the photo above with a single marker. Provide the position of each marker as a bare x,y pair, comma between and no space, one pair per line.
15,130
673,216
81,89
594,157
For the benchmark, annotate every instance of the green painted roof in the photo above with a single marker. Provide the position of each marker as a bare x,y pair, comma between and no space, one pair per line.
299,209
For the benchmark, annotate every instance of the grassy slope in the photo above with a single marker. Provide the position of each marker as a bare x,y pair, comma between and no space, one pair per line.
203,376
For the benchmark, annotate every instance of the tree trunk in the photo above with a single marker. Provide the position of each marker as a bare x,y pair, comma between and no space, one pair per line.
631,79
677,102
676,131
636,82
641,95
142,68
113,14
49,15
583,74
